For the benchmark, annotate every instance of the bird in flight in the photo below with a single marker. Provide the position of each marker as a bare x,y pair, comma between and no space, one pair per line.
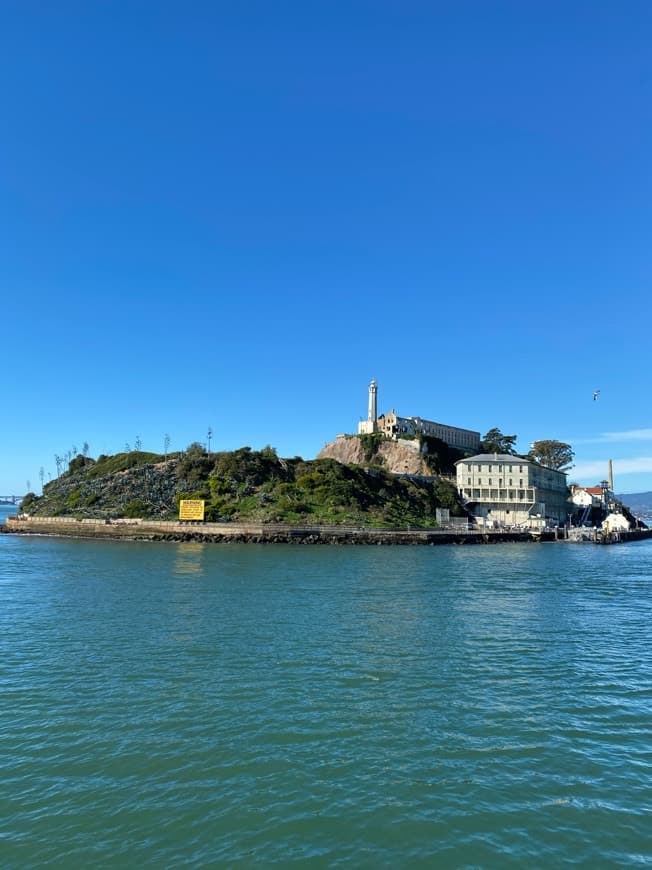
596,394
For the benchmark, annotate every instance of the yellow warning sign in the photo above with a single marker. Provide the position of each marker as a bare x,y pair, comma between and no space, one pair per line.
191,509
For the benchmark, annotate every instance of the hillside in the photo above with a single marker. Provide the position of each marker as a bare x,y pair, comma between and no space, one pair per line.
639,502
424,455
239,486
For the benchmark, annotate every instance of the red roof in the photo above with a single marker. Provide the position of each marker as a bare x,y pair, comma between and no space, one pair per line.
592,490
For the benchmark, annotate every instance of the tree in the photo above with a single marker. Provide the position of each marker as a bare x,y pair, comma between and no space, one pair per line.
138,444
552,454
41,474
495,442
166,443
85,448
194,466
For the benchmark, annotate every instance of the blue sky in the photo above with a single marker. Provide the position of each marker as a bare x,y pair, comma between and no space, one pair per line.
236,214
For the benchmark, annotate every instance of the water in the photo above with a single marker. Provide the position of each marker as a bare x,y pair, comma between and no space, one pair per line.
170,705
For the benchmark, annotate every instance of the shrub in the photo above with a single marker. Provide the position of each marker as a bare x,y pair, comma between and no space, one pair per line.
28,500
136,509
370,443
107,465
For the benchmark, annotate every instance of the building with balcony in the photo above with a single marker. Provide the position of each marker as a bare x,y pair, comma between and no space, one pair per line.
503,490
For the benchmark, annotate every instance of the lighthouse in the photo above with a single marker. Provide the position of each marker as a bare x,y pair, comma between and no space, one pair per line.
366,427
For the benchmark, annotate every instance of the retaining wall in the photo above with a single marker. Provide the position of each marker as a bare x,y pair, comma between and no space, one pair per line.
174,530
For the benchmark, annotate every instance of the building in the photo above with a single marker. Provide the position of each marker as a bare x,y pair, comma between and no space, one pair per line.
504,490
588,496
370,425
393,426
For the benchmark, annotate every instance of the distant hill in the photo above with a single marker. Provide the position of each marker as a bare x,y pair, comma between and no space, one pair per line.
639,502
243,485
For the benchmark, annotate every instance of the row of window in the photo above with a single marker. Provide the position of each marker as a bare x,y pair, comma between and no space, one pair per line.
469,481
489,468
504,495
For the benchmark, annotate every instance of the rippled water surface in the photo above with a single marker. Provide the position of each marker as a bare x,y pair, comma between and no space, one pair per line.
189,704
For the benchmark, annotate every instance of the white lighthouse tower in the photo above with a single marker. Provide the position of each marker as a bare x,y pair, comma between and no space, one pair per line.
366,427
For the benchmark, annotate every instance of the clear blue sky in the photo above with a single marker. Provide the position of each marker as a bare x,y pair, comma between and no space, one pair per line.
236,214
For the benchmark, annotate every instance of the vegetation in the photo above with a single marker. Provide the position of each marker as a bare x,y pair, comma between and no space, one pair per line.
137,508
495,442
28,501
246,485
552,454
107,465
439,457
371,441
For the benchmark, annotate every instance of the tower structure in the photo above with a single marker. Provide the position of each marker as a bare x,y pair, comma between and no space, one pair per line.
372,416
366,427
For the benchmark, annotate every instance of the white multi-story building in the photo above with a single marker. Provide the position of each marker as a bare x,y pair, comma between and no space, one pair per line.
392,426
505,490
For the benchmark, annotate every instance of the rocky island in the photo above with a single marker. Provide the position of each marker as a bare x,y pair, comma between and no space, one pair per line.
246,485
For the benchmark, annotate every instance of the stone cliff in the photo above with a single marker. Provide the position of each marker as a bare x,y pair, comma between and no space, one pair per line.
397,457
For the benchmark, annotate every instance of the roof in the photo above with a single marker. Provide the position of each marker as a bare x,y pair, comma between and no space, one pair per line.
507,457
497,457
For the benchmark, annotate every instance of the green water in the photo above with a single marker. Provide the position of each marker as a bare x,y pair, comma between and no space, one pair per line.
169,705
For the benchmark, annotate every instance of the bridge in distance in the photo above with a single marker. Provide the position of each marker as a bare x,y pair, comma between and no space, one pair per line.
11,499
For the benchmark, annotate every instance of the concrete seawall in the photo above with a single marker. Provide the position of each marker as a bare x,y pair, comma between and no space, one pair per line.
160,530
276,533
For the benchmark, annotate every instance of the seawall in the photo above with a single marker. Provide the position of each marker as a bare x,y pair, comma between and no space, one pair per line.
173,530
277,533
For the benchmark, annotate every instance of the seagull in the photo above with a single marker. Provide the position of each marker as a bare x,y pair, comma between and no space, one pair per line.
596,394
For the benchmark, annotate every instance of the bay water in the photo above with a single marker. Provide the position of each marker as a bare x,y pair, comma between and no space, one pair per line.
169,705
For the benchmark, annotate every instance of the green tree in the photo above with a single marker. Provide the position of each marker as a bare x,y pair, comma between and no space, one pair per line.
495,442
194,466
552,454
